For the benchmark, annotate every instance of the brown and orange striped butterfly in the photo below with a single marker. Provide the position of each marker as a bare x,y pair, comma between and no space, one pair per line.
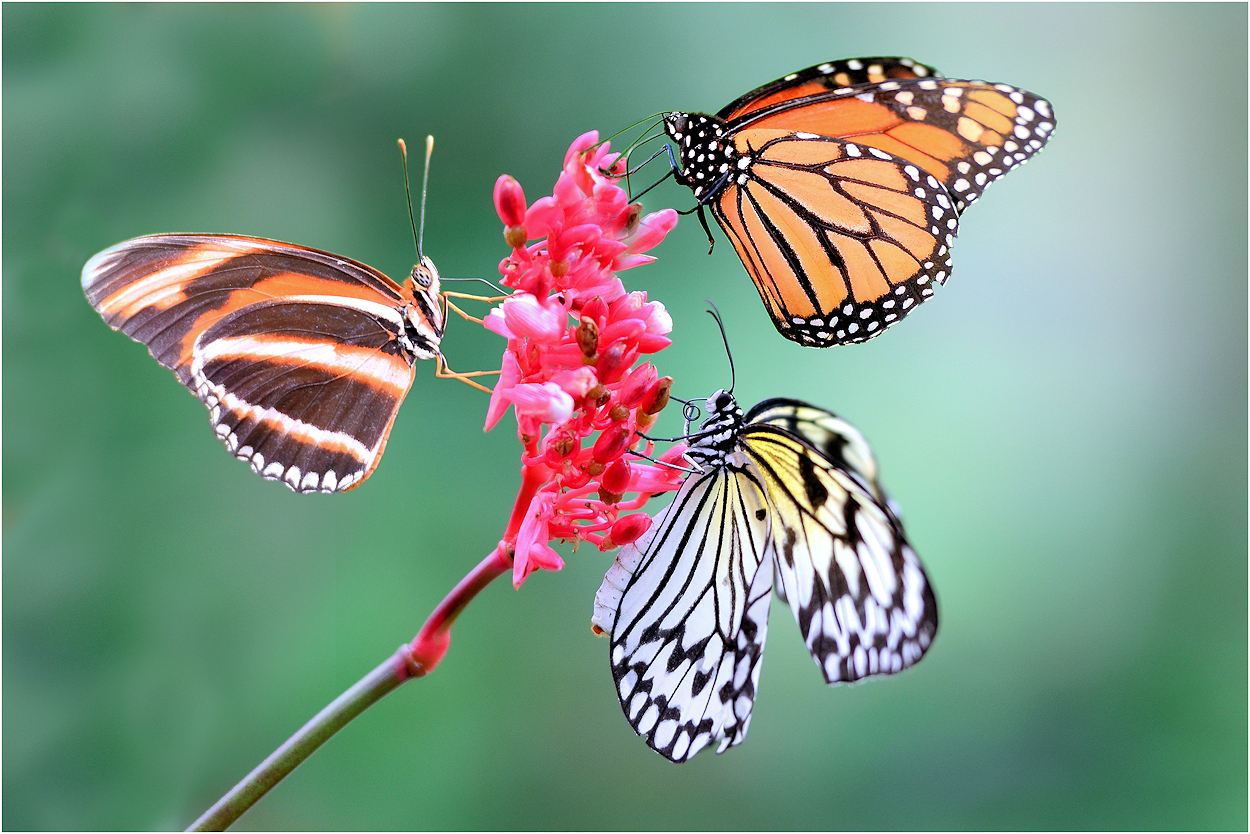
302,357
841,186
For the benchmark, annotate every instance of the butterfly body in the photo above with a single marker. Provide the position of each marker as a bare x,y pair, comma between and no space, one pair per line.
840,186
783,498
302,357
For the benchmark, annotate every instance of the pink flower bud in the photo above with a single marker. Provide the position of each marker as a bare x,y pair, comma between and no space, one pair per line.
611,444
613,361
596,309
656,397
628,529
657,319
635,384
616,477
510,201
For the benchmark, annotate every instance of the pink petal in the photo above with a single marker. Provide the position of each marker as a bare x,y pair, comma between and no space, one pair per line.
651,230
527,317
509,373
577,381
545,401
496,322
542,216
531,551
625,262
580,144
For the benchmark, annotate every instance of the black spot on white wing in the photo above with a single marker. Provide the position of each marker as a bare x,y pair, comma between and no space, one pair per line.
687,610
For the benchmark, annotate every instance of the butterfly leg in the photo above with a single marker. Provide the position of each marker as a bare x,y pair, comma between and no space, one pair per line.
448,305
443,371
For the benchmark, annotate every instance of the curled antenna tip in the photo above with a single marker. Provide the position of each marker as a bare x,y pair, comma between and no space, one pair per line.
403,148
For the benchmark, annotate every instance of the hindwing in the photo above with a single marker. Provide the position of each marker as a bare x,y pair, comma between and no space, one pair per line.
841,240
687,610
854,584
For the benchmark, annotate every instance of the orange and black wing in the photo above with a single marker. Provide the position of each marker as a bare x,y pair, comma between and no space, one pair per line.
302,357
841,186
841,240
965,133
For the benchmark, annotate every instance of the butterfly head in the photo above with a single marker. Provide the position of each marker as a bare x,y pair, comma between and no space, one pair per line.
425,315
707,155
718,433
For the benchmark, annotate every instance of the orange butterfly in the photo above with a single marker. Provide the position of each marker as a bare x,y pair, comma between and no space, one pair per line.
841,186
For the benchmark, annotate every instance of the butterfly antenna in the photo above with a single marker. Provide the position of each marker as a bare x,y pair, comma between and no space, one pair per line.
425,181
652,117
416,239
715,313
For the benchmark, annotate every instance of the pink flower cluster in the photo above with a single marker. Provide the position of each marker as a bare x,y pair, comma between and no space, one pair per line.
569,372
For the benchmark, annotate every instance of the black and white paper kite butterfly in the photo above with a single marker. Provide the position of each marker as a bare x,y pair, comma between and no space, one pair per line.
786,499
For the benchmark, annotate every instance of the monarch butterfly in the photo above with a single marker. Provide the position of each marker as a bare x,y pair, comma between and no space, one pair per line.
841,186
786,498
302,357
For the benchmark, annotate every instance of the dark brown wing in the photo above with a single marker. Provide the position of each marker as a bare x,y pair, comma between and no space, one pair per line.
302,357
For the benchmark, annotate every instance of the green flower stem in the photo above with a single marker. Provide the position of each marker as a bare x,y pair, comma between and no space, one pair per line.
409,661
300,746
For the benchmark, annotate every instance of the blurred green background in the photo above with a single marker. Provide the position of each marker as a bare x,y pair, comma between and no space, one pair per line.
1065,426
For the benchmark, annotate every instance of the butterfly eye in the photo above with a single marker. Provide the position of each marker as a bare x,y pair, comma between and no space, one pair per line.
421,277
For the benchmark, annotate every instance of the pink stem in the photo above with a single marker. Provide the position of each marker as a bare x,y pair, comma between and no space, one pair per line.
430,644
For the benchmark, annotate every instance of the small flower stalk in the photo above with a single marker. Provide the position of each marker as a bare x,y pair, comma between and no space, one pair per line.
571,369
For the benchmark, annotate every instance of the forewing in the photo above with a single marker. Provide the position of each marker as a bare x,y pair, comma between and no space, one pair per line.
841,240
965,133
816,81
296,352
166,290
856,587
687,610
837,440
